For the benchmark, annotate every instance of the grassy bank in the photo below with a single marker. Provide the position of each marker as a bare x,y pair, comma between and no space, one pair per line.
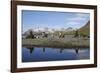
62,42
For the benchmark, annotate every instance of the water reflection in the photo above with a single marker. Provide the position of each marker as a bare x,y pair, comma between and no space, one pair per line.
52,54
61,50
77,50
31,49
43,49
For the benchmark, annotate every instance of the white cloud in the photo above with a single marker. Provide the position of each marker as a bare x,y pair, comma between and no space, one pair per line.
72,23
82,15
76,19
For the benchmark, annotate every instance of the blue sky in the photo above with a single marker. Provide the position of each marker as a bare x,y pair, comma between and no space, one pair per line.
54,20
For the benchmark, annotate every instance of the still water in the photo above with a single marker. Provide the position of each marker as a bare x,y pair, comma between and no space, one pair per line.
36,54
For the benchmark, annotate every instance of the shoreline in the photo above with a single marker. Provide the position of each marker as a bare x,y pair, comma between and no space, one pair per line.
71,47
